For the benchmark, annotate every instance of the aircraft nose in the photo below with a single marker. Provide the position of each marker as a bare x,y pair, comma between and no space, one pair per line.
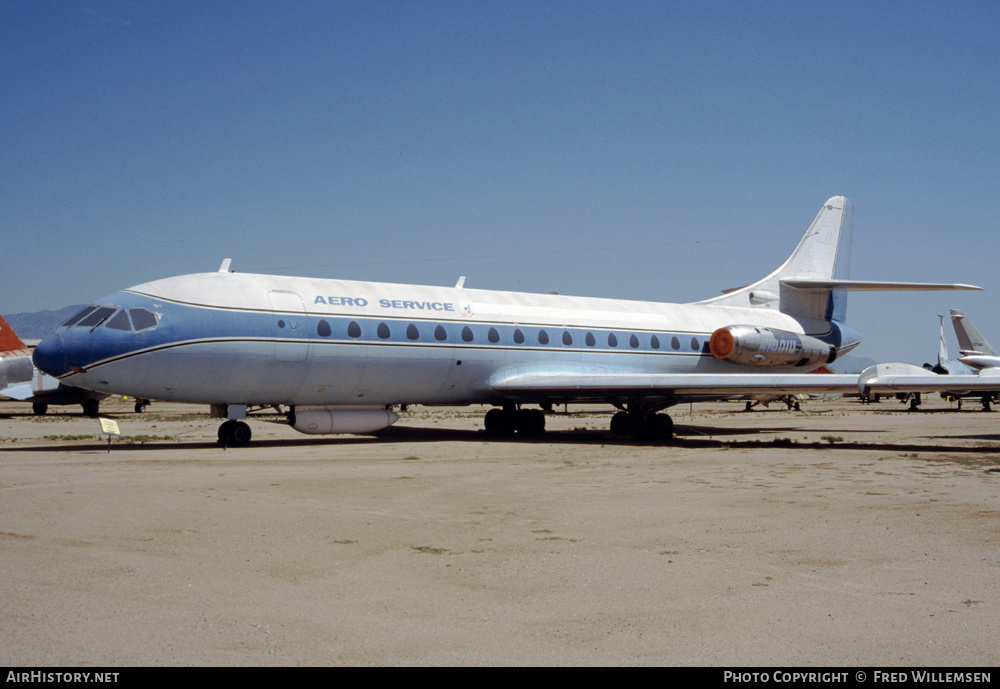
50,355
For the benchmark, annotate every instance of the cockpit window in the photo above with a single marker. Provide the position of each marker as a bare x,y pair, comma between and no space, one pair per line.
120,321
142,319
75,318
96,317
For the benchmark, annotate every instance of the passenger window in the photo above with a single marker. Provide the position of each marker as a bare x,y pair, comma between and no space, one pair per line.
543,337
493,336
383,331
567,338
612,340
590,340
412,332
655,341
323,329
467,334
440,334
675,343
633,342
142,319
694,344
353,329
120,321
518,336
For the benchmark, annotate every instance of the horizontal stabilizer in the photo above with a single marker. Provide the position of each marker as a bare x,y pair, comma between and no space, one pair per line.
871,286
20,391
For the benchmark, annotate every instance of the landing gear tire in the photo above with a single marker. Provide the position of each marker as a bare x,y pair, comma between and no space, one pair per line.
631,425
39,408
140,407
507,421
499,422
234,434
530,422
91,408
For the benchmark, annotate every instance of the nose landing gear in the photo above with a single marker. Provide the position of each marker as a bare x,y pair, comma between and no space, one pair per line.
234,434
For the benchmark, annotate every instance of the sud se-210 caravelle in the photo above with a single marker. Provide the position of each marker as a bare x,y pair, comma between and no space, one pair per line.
342,355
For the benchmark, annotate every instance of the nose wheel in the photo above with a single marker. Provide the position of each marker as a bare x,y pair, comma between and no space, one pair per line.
234,434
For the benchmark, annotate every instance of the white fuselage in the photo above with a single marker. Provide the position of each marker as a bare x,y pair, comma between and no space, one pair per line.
233,338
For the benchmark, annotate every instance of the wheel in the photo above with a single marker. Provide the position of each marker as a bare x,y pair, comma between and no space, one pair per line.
39,408
530,422
661,426
234,434
91,407
225,432
620,426
140,407
241,434
499,422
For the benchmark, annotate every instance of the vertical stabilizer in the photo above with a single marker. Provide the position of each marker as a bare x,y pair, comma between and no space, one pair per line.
942,345
970,341
823,253
8,338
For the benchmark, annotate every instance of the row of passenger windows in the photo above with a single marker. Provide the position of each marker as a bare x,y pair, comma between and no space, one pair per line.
116,319
383,331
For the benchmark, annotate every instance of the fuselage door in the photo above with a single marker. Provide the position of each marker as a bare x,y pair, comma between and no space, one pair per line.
290,343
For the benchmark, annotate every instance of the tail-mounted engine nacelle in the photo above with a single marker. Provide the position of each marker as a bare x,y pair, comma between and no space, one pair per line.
754,346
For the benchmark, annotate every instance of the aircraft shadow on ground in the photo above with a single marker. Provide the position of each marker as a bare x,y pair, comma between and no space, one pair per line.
687,437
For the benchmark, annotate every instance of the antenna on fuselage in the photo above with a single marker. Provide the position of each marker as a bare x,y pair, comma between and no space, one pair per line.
461,283
224,268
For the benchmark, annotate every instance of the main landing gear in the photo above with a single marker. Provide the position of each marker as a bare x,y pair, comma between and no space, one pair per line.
510,420
234,434
633,422
637,424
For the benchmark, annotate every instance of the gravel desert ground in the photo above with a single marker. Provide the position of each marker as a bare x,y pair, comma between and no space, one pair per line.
838,535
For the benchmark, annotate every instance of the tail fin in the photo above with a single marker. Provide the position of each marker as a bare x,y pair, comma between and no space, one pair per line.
823,254
8,338
969,339
943,345
813,282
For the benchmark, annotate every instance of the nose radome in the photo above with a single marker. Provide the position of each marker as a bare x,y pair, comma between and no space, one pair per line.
50,355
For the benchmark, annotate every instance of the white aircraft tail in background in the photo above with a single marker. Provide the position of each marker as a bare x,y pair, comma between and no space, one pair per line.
975,350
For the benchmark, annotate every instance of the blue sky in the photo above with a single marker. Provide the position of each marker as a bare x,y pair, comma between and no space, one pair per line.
643,150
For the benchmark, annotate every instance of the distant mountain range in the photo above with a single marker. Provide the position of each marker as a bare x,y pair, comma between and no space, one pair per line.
35,326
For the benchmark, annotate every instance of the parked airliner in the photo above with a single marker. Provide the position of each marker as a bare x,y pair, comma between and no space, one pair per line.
343,355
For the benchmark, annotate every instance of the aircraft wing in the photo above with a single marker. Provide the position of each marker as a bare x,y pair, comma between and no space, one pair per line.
580,386
18,391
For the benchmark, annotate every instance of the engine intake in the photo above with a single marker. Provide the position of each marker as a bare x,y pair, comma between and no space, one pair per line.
754,346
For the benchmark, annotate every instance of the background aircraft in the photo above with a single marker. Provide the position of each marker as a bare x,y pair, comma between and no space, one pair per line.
342,354
974,348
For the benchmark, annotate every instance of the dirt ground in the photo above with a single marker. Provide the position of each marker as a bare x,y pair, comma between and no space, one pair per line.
838,535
